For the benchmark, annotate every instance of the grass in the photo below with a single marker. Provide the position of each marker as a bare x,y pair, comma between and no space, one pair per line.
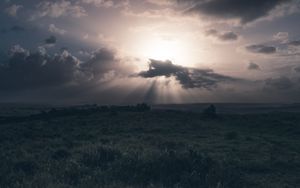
163,149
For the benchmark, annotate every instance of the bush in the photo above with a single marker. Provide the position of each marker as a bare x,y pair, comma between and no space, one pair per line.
210,112
143,107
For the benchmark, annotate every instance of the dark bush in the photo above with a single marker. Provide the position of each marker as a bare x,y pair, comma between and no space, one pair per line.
210,112
143,107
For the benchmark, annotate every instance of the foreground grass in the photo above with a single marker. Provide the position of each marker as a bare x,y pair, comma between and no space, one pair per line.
151,149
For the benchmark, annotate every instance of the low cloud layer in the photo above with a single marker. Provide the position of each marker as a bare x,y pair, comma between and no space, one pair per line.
63,76
35,70
187,77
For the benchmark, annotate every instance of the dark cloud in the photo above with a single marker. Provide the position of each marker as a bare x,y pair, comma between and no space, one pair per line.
253,66
104,61
187,77
260,48
225,36
62,78
51,40
245,11
281,83
294,43
26,70
31,70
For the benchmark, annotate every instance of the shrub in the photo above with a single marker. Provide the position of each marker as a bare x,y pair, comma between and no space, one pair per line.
210,112
143,107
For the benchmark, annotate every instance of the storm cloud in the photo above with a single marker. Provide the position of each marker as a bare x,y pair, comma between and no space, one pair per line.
245,11
36,70
26,70
187,77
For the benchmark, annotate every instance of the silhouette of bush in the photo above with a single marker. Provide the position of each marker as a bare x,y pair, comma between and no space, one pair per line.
210,112
143,107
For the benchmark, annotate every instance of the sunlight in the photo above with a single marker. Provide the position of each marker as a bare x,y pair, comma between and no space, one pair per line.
162,50
165,49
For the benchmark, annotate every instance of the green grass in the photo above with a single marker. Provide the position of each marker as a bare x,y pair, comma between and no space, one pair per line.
151,149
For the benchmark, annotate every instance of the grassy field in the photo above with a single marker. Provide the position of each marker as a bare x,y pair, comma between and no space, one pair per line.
115,149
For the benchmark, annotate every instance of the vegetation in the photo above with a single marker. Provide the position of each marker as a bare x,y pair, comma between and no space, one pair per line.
135,147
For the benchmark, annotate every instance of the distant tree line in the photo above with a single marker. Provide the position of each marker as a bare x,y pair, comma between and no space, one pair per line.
78,110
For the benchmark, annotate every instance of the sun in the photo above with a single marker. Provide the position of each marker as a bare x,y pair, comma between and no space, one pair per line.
162,50
178,50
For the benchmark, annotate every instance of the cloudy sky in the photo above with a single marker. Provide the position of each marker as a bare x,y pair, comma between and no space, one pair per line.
156,51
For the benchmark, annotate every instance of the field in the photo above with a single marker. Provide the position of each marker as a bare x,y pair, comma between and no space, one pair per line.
156,148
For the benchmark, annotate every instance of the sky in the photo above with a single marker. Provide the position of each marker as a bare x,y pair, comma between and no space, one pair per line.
154,51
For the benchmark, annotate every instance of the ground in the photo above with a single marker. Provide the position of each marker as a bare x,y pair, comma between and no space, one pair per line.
150,149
